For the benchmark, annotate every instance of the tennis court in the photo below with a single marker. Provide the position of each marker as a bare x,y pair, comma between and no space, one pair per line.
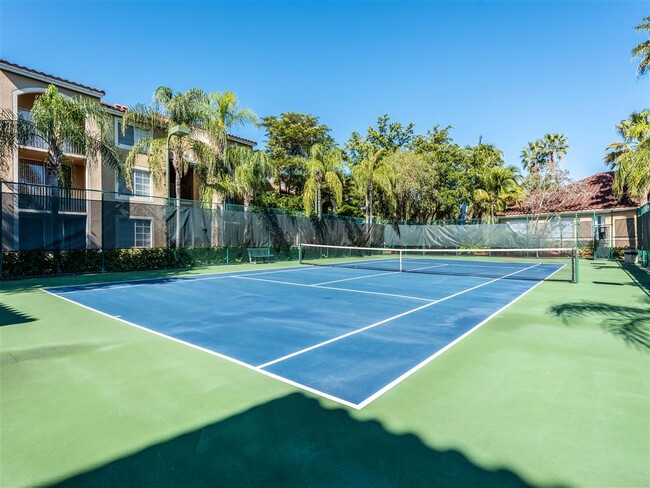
348,330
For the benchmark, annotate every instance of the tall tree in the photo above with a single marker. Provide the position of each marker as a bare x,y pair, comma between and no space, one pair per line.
556,147
630,158
414,185
365,156
65,125
498,189
386,137
324,167
642,50
249,177
542,158
290,137
452,171
371,173
226,115
532,156
190,109
61,123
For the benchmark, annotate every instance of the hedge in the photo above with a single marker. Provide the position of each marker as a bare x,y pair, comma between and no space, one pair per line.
24,264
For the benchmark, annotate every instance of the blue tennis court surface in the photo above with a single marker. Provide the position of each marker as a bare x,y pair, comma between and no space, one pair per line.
346,334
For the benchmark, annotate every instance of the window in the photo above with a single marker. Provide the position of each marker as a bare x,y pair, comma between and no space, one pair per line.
141,184
134,233
131,136
36,173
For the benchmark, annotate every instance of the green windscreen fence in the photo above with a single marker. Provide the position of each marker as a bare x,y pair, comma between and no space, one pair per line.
643,232
48,230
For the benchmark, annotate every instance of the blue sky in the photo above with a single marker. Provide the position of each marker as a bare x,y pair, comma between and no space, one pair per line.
509,71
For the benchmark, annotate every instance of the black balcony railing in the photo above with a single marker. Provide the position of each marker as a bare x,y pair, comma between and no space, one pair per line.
39,143
43,198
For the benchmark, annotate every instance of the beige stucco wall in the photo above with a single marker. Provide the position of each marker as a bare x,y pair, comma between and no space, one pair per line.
11,97
620,225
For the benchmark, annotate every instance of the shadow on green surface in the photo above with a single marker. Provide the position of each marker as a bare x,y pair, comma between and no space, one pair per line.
632,324
640,277
293,441
54,351
11,316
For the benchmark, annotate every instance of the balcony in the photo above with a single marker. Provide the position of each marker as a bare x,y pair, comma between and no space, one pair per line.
37,142
42,197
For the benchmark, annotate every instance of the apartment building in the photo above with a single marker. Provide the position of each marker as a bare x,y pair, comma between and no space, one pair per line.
26,175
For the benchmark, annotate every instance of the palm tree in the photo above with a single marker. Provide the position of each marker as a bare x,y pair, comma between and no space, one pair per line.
251,170
499,188
169,109
631,158
556,147
371,173
532,156
226,115
324,167
642,50
60,122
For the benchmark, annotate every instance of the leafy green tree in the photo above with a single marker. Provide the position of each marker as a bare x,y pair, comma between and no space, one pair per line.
290,137
414,185
324,167
642,50
450,171
365,155
498,189
630,158
252,168
169,109
60,122
386,137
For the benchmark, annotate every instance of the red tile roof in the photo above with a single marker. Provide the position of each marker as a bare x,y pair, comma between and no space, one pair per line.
115,106
40,73
592,193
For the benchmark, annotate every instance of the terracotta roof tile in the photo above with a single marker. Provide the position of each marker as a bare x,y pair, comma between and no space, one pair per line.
595,193
30,70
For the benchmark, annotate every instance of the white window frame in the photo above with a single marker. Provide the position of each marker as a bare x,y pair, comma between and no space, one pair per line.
144,133
133,220
125,196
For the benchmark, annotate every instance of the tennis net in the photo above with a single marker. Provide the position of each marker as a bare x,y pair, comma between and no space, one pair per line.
520,264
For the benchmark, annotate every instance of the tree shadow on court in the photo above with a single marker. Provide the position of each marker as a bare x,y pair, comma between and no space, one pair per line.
632,324
640,277
294,441
11,316
32,284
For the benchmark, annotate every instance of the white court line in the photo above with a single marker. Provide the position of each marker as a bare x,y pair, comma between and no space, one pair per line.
378,274
390,319
358,406
419,366
214,353
355,278
332,288
175,279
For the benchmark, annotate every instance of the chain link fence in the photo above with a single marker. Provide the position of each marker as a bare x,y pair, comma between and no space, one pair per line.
48,230
643,226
